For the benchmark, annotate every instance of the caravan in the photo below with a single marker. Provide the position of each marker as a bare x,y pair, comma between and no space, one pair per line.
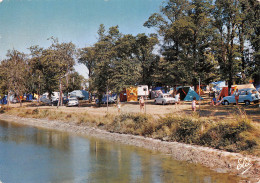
142,90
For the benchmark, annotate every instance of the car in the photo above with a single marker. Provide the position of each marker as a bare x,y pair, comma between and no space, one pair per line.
44,99
246,95
164,99
73,102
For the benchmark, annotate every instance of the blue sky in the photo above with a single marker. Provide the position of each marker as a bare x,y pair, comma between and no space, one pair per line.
24,23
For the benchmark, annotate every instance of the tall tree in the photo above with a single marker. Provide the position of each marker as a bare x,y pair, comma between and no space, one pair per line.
144,48
87,56
253,17
226,15
15,69
187,34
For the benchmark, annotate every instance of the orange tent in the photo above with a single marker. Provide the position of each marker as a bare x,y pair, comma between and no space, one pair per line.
131,94
200,92
224,92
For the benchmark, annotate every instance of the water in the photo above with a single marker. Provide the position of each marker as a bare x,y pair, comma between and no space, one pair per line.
33,155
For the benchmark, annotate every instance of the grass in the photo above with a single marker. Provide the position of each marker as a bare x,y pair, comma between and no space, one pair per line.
235,134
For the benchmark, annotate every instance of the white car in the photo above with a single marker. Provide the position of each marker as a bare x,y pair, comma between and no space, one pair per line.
246,96
164,99
73,102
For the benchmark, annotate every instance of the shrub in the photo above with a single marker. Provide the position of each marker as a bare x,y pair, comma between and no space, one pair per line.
233,136
137,124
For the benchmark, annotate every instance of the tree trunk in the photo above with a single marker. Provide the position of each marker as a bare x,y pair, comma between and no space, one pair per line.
241,48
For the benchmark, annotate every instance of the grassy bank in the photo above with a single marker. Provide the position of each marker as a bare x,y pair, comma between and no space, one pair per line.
235,135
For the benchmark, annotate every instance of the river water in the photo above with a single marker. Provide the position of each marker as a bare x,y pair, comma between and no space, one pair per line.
34,155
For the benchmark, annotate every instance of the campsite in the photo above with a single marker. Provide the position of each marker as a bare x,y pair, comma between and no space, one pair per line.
156,91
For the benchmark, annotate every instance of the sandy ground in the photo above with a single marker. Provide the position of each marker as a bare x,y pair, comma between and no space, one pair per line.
245,166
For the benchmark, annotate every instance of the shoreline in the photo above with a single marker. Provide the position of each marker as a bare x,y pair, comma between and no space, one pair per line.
217,160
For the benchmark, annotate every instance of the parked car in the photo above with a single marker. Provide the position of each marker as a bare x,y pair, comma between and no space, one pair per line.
164,99
73,102
44,99
246,95
55,102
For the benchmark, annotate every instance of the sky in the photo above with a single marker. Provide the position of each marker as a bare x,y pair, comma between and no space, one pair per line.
24,23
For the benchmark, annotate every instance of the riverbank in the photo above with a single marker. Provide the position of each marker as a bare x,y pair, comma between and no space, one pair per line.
220,161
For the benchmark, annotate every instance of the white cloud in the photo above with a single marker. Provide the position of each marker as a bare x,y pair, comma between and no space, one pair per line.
1,1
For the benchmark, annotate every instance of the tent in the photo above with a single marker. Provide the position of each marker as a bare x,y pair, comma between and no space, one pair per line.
29,97
239,87
257,87
122,96
187,94
3,100
80,94
131,94
156,91
224,92
217,86
199,90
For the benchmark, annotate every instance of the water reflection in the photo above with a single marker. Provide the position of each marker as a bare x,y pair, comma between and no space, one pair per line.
37,155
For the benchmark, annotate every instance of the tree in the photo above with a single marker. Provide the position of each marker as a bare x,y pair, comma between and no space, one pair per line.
87,56
226,16
75,81
35,76
253,17
144,48
15,69
187,35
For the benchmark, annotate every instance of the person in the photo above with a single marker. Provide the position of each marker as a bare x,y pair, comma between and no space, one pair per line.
119,106
193,104
214,100
177,98
141,102
236,96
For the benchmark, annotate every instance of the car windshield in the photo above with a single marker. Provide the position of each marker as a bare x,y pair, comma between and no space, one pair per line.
73,99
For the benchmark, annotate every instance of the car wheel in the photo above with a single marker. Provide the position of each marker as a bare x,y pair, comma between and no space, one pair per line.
163,103
155,102
247,102
256,101
226,102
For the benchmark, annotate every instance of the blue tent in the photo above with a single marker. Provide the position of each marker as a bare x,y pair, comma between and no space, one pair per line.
3,100
29,97
80,94
257,87
86,94
219,85
191,94
159,88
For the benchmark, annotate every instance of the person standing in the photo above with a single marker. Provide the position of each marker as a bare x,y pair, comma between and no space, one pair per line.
177,98
141,102
193,104
119,106
236,96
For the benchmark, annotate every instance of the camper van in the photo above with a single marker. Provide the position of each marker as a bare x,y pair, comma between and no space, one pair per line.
142,90
54,98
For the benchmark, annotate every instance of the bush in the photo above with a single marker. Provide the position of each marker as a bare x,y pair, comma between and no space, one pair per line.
136,124
231,136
